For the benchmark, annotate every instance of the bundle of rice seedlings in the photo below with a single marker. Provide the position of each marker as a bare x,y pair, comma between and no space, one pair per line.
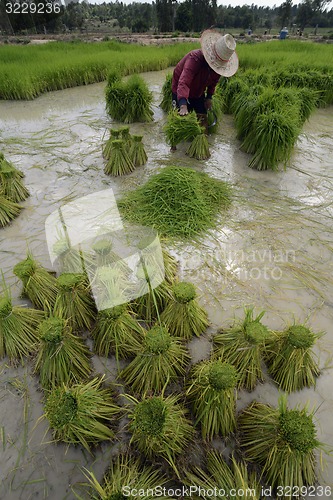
242,346
120,162
161,360
62,358
81,414
129,101
117,331
125,471
282,441
74,301
137,152
9,210
39,285
223,479
177,202
160,426
182,128
290,360
149,305
110,287
199,148
183,316
125,135
151,255
108,148
11,183
211,390
308,102
166,103
105,256
70,259
18,329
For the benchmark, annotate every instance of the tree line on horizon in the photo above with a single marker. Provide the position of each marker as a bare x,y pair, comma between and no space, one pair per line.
163,16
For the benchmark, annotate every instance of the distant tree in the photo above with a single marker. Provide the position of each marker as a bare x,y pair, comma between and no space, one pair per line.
164,12
183,21
304,14
285,13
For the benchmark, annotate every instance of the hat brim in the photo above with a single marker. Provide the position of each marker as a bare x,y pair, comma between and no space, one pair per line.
207,41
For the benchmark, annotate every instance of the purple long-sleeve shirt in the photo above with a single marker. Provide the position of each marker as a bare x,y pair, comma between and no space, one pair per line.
193,77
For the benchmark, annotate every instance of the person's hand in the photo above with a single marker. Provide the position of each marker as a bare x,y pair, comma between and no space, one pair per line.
208,104
183,110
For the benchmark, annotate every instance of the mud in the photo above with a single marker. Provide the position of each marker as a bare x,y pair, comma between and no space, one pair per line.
273,251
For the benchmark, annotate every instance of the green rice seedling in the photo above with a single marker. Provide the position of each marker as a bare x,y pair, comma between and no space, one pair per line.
161,360
70,259
129,101
110,287
81,414
137,152
62,358
8,210
183,316
242,346
224,478
282,441
181,128
160,427
74,301
308,99
166,103
199,148
120,162
39,285
231,89
152,259
125,471
290,359
117,331
125,135
148,305
105,256
11,184
177,202
18,329
108,148
211,391
276,135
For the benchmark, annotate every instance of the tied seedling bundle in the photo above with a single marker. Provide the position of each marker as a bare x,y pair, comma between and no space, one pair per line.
8,210
105,256
18,329
282,441
129,101
117,331
182,128
183,316
70,259
290,360
115,134
177,202
166,103
39,285
62,358
120,162
234,477
81,414
111,287
11,184
124,470
152,259
242,346
74,301
161,360
159,426
199,148
150,304
211,391
137,152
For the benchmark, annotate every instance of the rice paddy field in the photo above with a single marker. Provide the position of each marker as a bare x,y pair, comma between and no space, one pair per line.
272,251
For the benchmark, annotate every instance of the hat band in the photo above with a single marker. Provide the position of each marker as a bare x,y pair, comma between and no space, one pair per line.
217,56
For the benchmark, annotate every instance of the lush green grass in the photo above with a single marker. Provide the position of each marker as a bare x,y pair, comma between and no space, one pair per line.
28,71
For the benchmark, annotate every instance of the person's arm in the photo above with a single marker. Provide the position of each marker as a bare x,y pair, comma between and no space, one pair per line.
191,68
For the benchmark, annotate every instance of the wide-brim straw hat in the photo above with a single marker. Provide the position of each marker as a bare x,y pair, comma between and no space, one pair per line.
219,52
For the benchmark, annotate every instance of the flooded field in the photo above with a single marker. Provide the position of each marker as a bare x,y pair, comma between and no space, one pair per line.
274,251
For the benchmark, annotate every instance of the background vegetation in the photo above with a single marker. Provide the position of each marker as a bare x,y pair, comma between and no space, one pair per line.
170,16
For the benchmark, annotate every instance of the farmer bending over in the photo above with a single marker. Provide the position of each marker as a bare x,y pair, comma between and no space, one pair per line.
197,74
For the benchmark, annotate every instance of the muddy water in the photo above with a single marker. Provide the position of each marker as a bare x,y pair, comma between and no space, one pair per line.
274,252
